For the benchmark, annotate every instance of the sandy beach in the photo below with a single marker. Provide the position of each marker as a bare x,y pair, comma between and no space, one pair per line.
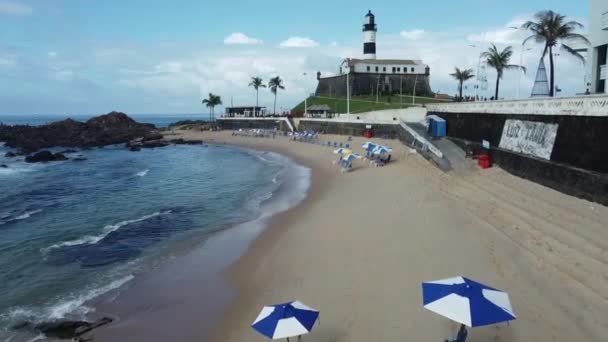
359,246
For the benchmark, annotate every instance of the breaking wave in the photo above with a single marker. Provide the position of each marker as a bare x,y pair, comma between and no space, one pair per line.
93,239
71,305
142,173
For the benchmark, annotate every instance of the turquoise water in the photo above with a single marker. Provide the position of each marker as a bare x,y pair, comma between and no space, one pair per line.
71,231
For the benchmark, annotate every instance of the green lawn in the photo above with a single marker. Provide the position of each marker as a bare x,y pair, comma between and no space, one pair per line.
365,103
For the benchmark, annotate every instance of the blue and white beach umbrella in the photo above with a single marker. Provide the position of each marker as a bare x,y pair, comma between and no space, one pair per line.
285,320
343,151
466,301
350,157
369,146
382,150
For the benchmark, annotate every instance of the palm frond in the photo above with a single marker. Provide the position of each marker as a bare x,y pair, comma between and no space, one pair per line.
573,53
515,66
576,36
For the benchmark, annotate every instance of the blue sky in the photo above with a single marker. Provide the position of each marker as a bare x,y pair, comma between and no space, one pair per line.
75,56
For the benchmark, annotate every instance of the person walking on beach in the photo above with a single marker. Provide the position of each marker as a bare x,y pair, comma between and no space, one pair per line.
462,334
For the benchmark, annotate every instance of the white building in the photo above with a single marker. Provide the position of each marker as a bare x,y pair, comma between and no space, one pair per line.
598,54
384,66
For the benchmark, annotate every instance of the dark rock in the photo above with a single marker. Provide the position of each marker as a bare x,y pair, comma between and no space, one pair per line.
134,148
181,141
153,136
10,154
154,143
63,329
79,158
4,166
109,129
188,123
44,156
69,151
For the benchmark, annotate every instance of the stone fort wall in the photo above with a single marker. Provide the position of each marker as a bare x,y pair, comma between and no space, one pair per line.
364,83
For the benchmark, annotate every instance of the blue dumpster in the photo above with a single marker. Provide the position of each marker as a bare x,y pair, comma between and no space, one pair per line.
437,126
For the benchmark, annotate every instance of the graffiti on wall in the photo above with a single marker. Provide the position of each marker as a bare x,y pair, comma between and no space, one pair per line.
529,137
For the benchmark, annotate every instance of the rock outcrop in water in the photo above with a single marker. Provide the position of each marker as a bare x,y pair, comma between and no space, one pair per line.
64,330
108,129
44,156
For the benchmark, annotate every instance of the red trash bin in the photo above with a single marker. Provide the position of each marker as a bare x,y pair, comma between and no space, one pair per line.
367,134
484,161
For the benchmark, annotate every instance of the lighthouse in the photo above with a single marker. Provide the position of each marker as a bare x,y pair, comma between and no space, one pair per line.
369,36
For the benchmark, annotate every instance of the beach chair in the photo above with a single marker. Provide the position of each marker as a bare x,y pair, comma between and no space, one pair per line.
335,144
347,145
350,138
341,145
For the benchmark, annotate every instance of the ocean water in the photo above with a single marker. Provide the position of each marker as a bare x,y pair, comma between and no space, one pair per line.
71,231
160,120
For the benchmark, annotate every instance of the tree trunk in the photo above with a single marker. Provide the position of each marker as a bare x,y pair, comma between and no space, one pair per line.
257,96
497,85
274,108
552,84
460,89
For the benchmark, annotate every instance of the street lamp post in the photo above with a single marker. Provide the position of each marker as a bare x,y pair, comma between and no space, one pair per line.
414,91
348,91
478,67
521,71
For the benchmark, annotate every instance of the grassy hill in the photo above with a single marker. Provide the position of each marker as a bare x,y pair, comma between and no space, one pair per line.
365,103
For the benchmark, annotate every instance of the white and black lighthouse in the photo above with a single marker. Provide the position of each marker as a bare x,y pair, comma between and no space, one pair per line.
369,36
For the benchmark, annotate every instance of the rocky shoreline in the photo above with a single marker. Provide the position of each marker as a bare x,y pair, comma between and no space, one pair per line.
113,128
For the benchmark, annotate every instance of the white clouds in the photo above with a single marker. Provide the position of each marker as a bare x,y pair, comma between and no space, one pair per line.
10,7
7,62
63,75
299,42
239,38
413,34
140,77
508,34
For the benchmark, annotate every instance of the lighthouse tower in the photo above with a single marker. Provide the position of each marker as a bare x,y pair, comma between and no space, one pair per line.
369,36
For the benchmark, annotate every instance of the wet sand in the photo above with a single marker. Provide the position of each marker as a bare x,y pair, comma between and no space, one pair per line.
361,243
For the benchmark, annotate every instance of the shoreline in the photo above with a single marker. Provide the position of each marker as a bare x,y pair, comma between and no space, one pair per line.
359,245
224,246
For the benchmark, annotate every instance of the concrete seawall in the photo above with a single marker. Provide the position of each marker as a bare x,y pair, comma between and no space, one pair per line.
560,143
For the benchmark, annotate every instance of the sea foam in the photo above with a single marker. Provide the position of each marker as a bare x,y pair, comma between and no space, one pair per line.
142,173
93,239
73,304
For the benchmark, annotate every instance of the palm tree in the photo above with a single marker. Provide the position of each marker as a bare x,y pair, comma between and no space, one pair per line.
499,60
462,76
212,101
275,84
552,29
256,83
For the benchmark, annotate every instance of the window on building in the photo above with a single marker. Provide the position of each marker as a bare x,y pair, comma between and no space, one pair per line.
368,68
405,70
376,69
394,69
398,69
412,69
383,69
